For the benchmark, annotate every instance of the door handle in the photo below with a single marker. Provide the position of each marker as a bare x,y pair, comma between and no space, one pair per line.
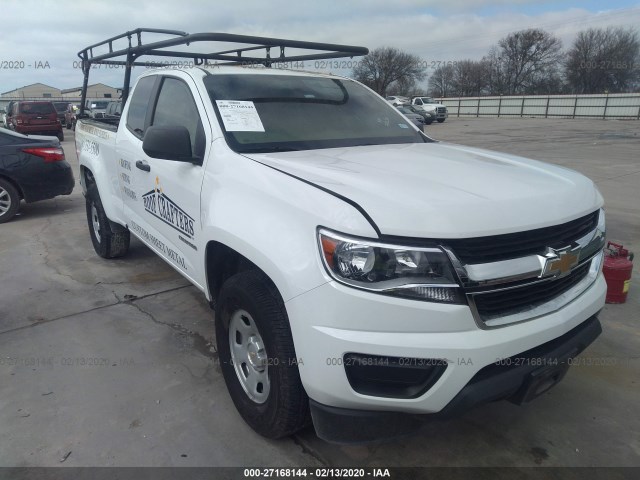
142,165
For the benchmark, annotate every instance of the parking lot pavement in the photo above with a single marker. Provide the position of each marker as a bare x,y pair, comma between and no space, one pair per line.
112,360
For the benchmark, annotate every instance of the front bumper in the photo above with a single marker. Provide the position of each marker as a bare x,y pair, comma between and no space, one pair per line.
333,320
510,379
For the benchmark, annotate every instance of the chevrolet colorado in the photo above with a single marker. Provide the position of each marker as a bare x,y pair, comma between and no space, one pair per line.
364,277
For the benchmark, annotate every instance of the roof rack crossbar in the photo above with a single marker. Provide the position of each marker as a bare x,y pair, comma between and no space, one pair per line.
138,31
187,39
233,56
243,60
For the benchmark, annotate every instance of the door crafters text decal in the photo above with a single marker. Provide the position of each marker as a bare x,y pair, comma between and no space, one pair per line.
162,207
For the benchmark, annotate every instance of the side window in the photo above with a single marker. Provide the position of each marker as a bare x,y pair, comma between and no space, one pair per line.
139,105
176,106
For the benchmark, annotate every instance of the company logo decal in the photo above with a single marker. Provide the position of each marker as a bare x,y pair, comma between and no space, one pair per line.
559,262
161,206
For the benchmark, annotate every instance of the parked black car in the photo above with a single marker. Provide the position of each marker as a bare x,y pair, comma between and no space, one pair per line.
31,168
427,117
416,118
61,107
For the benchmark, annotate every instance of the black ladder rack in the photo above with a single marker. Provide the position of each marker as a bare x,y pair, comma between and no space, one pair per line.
234,56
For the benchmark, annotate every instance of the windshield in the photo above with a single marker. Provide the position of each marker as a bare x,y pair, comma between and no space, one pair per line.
36,108
60,106
268,113
98,104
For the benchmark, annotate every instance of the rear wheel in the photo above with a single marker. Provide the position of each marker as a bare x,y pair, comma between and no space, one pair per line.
109,241
9,201
60,135
257,356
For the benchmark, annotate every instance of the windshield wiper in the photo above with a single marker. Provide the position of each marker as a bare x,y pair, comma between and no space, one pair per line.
269,149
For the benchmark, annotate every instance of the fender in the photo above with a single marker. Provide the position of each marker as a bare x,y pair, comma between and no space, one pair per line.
248,206
96,152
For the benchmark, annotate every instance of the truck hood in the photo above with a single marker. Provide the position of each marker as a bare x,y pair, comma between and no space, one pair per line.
439,190
430,107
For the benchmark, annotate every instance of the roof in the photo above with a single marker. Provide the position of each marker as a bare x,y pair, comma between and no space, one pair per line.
30,85
75,89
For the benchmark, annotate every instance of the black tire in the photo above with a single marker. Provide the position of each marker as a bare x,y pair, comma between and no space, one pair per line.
440,120
67,126
73,125
286,408
111,241
9,201
61,135
429,122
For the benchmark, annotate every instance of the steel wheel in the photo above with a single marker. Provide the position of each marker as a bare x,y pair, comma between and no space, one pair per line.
95,221
109,239
249,356
257,356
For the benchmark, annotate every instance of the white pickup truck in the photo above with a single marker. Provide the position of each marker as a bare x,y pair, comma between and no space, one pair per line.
363,275
428,104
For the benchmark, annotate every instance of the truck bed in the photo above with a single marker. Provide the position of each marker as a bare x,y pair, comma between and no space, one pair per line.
110,124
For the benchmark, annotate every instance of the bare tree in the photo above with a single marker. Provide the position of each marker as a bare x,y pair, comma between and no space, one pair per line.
604,60
386,65
404,86
523,62
470,78
441,82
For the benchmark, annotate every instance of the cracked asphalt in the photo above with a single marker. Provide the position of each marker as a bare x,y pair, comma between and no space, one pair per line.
111,363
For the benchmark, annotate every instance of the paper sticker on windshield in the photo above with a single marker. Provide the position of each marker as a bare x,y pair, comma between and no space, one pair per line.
239,116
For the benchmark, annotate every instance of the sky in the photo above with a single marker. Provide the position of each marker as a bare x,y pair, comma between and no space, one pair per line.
40,39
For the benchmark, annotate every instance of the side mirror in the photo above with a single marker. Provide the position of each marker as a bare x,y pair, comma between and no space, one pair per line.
169,143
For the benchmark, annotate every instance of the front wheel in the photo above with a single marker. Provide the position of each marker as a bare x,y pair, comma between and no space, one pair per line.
440,120
109,241
257,356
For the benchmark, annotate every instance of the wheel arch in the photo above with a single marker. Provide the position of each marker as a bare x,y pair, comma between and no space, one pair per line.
15,184
86,178
221,263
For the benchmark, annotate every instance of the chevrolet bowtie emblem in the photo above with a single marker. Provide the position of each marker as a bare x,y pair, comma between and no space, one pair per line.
559,262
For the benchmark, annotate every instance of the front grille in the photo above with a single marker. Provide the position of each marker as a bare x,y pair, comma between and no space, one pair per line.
514,245
442,109
506,302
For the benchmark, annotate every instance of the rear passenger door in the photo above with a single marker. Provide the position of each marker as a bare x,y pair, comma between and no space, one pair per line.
166,213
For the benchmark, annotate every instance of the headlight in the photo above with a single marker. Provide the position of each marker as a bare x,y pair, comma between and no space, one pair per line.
410,272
